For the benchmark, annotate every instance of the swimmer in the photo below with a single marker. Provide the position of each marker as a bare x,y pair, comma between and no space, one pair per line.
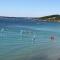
52,38
33,39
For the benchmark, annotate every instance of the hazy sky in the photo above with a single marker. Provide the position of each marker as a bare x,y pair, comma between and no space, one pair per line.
29,8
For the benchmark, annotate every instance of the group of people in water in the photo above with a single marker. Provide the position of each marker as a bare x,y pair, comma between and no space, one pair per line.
52,37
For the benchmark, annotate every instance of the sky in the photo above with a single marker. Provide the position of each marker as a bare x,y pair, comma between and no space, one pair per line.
29,8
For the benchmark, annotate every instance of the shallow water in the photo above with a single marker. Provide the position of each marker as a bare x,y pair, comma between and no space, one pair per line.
30,42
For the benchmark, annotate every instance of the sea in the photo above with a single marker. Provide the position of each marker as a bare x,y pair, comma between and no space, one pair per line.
27,39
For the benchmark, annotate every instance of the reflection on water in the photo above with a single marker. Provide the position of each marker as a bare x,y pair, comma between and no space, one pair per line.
28,44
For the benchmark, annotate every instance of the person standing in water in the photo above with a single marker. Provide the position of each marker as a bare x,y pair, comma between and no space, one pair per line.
33,39
52,38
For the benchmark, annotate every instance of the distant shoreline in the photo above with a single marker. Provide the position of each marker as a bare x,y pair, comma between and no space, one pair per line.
50,18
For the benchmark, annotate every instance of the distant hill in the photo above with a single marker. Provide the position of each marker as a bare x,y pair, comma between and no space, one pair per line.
51,18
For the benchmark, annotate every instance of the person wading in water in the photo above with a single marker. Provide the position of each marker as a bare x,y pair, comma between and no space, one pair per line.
52,38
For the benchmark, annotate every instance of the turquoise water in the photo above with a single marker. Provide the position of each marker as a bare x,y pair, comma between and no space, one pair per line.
30,42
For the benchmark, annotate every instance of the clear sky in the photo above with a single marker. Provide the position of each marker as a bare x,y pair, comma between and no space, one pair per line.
29,8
